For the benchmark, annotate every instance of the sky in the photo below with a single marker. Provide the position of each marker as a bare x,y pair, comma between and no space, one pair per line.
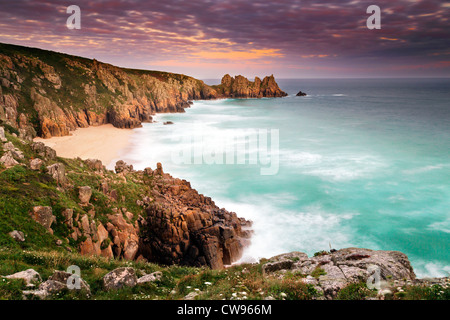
209,38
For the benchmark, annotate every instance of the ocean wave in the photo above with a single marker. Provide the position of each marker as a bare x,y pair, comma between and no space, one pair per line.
430,269
279,230
425,169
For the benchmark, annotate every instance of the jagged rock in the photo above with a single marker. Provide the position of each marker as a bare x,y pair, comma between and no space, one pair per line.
85,193
17,235
301,94
30,276
125,236
185,227
119,278
159,169
43,151
121,166
52,286
155,276
63,277
2,134
8,160
342,267
15,152
167,122
278,265
94,164
36,164
68,217
192,295
58,172
56,283
44,216
241,87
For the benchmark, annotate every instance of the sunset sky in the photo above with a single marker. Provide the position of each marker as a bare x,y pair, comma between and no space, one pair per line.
208,38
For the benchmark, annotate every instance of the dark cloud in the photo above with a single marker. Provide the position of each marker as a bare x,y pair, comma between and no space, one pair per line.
291,33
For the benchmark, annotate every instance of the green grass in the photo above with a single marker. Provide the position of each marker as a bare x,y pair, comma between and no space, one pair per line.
356,291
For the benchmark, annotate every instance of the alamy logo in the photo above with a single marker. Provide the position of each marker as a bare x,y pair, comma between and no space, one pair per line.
374,21
74,281
74,21
374,281
258,147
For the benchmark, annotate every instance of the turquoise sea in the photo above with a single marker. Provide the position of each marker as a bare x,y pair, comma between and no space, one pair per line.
362,162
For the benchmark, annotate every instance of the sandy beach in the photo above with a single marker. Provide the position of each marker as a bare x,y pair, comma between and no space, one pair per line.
102,142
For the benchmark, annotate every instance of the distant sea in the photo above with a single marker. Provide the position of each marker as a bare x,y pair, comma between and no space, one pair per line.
362,163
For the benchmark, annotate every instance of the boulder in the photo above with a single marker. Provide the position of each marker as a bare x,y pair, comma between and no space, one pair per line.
94,164
17,235
301,94
56,283
30,276
58,172
335,270
8,160
2,134
36,164
44,216
121,166
155,276
43,151
120,278
85,193
63,277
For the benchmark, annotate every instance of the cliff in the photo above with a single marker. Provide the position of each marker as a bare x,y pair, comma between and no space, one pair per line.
241,87
49,94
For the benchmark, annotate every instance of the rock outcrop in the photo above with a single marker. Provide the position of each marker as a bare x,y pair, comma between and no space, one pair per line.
185,227
330,272
241,87
44,216
120,278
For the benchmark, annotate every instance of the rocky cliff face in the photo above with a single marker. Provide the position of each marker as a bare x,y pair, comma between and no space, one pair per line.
50,94
241,87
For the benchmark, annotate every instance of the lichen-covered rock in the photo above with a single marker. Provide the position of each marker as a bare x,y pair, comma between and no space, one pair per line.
8,160
120,278
17,235
30,276
334,271
36,164
58,172
2,134
85,193
44,216
152,277
43,151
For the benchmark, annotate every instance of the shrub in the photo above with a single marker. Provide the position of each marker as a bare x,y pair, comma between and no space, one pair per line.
355,291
